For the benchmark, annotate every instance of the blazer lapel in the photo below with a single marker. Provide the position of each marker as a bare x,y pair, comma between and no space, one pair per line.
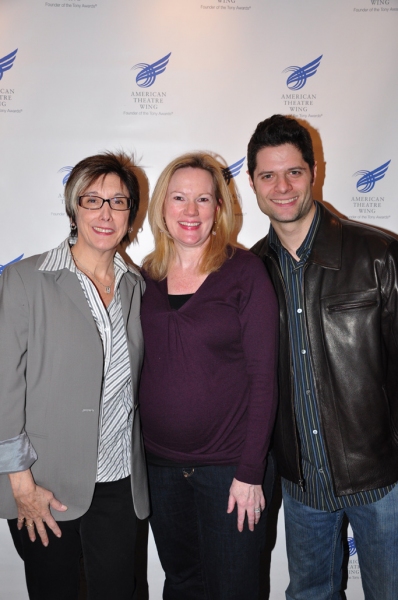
127,285
70,284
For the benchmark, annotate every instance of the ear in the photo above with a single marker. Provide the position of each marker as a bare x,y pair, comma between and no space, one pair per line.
314,173
251,182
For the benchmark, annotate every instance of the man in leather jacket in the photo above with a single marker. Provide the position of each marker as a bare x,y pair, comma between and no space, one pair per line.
336,436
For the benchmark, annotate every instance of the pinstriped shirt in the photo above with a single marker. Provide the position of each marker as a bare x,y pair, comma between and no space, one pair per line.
318,487
114,447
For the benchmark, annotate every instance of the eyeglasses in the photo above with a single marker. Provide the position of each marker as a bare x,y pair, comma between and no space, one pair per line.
95,202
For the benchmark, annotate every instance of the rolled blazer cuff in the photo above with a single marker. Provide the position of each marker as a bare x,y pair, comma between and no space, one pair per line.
16,454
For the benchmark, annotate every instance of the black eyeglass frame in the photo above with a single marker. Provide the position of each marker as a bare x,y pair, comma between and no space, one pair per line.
108,200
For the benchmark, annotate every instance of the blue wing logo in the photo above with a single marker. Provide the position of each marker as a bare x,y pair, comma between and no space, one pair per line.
233,170
6,62
67,171
368,180
2,267
352,549
299,76
148,73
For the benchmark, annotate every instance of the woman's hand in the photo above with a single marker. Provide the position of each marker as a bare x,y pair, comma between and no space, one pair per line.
249,500
33,504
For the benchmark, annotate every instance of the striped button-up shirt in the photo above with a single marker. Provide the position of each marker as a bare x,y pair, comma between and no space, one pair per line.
114,447
318,487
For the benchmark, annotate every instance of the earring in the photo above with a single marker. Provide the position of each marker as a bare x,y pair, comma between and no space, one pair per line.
129,230
214,231
73,227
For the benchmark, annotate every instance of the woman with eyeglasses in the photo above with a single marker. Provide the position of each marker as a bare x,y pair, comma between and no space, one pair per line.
73,477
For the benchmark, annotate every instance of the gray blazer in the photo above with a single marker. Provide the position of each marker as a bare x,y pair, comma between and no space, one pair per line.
51,369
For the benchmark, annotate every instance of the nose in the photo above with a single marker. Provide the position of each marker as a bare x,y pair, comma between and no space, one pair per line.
282,184
191,208
106,211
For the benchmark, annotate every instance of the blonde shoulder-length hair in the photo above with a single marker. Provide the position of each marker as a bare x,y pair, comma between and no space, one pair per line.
220,246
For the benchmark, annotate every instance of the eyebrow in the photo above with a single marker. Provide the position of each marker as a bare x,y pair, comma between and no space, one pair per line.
298,168
183,193
94,192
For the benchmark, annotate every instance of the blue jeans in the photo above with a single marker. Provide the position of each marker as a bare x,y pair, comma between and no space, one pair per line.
203,554
315,549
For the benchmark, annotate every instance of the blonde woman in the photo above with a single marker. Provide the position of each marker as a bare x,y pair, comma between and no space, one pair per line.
208,392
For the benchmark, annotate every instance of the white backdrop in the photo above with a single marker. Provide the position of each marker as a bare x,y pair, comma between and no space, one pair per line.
71,84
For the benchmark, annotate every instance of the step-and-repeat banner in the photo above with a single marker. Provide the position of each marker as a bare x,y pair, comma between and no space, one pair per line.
161,77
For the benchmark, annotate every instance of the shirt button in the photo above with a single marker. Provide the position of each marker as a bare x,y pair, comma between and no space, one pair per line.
320,471
315,431
299,310
308,392
304,351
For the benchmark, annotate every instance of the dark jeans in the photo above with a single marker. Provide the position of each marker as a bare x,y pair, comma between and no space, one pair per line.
106,536
202,552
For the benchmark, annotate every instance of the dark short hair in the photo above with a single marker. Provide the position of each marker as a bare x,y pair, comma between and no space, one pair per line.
90,169
276,131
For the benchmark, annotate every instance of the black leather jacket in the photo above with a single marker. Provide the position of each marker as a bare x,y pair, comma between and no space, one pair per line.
351,309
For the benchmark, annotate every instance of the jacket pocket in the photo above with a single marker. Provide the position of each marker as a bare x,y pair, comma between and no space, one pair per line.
355,305
352,333
350,301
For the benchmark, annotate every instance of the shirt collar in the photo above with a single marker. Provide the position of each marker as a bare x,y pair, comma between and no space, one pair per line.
61,258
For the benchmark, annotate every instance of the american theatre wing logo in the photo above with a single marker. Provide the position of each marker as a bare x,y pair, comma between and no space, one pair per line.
299,75
2,267
7,62
233,170
67,171
147,73
352,549
368,179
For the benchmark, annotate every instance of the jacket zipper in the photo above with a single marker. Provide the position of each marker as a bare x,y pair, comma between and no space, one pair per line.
315,383
301,480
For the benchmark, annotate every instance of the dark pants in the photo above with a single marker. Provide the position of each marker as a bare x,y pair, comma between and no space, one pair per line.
105,535
202,552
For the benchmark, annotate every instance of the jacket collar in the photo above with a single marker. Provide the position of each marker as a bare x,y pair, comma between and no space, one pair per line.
59,264
61,258
327,247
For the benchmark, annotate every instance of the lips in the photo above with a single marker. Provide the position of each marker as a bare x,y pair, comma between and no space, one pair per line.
103,230
286,201
189,224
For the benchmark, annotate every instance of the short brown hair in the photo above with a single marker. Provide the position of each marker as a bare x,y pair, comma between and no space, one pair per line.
90,169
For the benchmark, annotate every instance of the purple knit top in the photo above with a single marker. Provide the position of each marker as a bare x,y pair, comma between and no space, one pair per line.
208,387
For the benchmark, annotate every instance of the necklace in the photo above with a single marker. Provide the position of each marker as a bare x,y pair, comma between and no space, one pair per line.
107,287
